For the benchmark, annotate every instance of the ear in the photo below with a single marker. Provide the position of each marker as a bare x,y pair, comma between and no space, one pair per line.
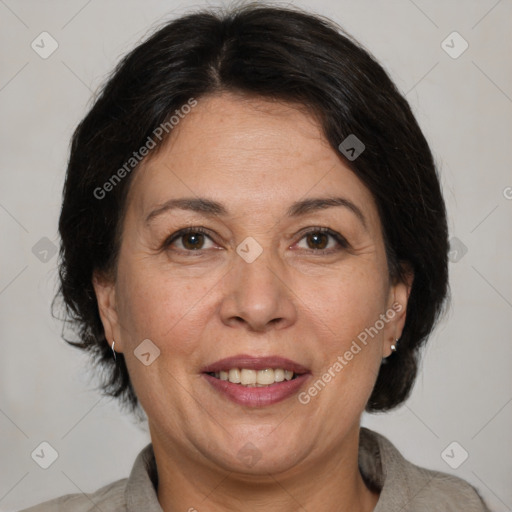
397,308
105,290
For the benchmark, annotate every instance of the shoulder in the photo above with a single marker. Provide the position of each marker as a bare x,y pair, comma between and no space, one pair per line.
137,492
408,487
438,491
110,498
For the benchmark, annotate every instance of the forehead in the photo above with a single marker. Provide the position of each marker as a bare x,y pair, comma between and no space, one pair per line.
249,153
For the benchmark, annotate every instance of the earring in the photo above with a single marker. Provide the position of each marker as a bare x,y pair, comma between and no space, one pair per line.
393,347
113,351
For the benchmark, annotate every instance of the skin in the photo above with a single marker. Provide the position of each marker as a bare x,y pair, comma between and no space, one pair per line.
256,157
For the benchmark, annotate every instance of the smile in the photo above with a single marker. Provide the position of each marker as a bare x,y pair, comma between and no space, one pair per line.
255,378
256,381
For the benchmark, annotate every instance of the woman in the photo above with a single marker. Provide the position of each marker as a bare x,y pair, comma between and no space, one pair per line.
254,248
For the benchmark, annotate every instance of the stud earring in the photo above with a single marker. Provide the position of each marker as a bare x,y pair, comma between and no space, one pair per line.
113,351
394,346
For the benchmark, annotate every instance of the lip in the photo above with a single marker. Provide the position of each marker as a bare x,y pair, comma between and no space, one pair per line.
256,396
255,363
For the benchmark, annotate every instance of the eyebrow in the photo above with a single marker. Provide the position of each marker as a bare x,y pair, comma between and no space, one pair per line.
213,208
200,205
314,204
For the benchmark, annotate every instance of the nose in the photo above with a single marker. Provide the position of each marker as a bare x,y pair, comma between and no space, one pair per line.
257,295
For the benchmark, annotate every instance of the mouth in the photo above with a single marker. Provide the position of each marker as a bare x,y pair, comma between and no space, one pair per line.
256,381
255,378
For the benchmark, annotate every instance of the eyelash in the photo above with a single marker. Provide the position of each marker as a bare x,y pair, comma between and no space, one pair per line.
339,238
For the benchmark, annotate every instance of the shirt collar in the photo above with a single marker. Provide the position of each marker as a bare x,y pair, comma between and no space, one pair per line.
142,484
140,491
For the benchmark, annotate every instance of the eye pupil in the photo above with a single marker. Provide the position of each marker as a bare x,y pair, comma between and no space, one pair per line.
318,237
193,240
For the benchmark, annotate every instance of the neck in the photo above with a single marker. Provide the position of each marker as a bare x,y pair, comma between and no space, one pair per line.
333,483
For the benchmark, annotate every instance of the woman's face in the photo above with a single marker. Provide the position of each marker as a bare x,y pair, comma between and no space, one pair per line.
260,280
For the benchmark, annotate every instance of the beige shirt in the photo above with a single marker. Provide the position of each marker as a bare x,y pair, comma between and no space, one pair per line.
403,486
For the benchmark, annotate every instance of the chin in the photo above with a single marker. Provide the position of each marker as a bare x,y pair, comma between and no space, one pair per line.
264,453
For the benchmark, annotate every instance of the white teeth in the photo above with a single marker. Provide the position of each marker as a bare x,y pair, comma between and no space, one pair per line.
247,376
255,378
279,375
234,376
265,376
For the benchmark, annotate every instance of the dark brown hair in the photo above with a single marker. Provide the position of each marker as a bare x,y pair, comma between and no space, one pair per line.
275,53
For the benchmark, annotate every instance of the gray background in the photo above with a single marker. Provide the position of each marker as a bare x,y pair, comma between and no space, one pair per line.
464,105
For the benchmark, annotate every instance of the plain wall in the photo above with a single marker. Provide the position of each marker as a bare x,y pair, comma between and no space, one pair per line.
464,105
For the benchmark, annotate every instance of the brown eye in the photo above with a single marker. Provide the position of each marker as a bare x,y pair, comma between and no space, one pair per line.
192,241
188,240
317,240
323,241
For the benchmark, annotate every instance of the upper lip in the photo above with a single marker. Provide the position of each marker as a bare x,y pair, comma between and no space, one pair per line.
255,363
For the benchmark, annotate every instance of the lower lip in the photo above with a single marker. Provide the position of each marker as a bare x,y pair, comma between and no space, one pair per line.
257,397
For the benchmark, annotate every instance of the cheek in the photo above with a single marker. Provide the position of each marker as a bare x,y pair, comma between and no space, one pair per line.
168,309
345,311
349,302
